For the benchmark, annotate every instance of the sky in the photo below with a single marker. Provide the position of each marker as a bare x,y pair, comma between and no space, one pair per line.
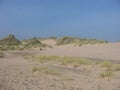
98,19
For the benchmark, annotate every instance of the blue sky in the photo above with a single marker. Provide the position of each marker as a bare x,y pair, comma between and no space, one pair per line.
98,19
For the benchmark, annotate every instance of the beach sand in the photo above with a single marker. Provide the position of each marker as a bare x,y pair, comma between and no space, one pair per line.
16,71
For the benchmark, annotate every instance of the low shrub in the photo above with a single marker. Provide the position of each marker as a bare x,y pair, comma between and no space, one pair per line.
78,41
107,74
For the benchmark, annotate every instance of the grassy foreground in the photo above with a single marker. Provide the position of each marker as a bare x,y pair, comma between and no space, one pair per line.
108,67
62,60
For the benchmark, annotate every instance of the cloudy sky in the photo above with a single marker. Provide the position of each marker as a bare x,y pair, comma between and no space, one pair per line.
98,19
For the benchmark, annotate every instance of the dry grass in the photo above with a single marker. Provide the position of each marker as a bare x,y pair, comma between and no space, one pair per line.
116,67
107,67
107,74
1,55
62,60
106,63
46,70
78,41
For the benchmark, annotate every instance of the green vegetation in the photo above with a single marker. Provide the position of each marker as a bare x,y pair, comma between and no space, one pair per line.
1,55
62,60
10,40
107,73
11,43
108,69
33,43
46,70
78,41
54,38
106,64
65,40
116,67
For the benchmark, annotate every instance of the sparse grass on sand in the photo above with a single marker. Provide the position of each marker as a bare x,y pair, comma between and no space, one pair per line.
107,74
46,70
62,60
106,64
116,67
108,68
1,55
78,41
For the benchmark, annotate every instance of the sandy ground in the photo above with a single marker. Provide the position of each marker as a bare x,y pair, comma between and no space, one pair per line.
16,71
100,51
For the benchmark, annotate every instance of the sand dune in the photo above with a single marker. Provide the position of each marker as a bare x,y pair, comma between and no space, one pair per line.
100,51
20,73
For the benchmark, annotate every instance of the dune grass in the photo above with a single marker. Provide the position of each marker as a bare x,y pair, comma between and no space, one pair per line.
107,74
108,68
116,67
62,60
46,70
106,64
1,55
78,41
75,61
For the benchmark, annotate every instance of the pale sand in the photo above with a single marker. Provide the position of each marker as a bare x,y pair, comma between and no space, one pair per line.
16,71
101,51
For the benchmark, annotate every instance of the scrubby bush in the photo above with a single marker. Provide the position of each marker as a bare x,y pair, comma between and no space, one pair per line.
108,69
10,40
107,73
9,43
78,41
33,43
65,40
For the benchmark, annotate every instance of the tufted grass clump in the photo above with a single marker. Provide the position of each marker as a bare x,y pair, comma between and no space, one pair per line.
107,74
106,64
44,58
108,69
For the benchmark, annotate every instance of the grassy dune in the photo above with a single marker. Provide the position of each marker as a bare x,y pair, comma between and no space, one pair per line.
78,41
12,43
